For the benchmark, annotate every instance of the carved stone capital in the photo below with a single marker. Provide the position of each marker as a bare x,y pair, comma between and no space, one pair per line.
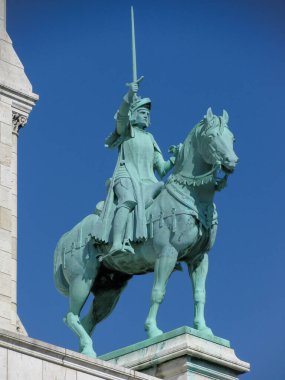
19,121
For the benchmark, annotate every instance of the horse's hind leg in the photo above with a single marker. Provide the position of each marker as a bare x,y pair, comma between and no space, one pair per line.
164,266
79,290
106,297
198,273
102,306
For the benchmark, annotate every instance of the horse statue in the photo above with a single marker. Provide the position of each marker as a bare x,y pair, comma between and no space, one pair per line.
182,225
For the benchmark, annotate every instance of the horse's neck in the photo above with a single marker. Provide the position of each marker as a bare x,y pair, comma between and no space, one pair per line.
194,166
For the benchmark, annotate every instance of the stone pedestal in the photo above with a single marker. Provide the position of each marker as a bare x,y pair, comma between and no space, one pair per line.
23,358
181,354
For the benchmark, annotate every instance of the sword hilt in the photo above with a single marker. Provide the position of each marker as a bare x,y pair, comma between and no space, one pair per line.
137,81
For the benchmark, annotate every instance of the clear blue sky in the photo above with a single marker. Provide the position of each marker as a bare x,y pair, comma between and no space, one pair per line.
193,54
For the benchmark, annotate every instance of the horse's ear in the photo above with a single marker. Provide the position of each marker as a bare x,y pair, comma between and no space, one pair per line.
225,116
209,114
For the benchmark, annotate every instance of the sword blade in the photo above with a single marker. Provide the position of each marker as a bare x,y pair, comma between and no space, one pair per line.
134,54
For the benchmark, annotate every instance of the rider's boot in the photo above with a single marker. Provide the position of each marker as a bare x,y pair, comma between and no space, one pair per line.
119,229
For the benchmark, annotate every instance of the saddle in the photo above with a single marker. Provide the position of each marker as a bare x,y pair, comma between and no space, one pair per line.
151,192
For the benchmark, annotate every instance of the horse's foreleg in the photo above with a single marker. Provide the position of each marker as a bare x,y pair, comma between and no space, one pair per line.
79,290
198,273
164,266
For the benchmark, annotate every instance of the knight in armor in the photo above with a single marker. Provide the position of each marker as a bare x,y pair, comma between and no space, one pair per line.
133,185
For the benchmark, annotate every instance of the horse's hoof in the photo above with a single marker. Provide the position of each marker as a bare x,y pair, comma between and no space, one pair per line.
206,331
153,332
89,352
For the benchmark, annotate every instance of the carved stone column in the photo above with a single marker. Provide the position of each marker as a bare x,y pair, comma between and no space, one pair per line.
16,102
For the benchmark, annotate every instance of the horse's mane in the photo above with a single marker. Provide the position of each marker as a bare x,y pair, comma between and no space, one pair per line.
184,151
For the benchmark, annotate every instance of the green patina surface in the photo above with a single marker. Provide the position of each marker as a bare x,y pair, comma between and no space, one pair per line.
181,223
145,224
166,336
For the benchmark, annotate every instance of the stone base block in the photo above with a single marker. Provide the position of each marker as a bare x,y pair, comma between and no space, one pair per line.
181,354
23,358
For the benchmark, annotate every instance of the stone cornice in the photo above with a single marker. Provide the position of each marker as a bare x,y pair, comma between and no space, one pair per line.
68,359
22,104
20,100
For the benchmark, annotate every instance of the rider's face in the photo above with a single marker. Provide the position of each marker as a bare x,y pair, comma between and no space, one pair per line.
142,117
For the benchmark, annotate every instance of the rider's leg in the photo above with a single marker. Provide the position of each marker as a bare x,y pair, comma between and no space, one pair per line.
126,203
164,266
198,273
119,228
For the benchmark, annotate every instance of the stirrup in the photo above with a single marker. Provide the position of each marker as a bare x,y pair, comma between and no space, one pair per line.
127,247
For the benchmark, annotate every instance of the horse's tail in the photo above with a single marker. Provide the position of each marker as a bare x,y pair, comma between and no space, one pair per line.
60,282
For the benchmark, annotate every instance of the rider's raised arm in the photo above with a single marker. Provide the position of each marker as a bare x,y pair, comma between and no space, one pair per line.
121,116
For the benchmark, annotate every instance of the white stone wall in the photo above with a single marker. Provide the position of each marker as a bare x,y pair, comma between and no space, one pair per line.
5,213
23,358
16,102
8,211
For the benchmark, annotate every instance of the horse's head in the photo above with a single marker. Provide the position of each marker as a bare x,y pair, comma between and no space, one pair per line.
215,142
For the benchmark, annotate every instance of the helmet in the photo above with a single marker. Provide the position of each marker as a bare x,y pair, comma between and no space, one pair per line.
138,103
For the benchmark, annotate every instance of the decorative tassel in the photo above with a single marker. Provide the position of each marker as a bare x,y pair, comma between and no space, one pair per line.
78,242
173,220
64,264
150,226
200,229
161,220
88,253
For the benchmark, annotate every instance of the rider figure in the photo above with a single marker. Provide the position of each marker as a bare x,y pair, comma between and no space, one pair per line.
133,181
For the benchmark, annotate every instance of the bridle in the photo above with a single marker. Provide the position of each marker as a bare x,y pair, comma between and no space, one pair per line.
211,175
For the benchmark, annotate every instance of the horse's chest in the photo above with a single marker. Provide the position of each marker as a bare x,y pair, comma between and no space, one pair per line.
186,232
191,237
